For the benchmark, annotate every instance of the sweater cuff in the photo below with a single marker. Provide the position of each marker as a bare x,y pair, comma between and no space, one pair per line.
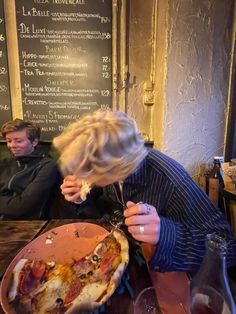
162,257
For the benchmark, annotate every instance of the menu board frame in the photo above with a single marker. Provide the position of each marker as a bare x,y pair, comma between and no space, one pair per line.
52,100
5,100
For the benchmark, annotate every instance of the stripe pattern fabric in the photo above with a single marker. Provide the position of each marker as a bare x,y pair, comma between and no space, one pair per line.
186,212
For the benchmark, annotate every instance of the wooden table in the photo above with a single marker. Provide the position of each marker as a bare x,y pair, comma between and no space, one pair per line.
14,235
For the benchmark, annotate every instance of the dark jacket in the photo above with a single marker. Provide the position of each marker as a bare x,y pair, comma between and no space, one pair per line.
26,184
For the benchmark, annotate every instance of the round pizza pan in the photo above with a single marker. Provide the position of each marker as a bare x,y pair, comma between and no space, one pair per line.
60,245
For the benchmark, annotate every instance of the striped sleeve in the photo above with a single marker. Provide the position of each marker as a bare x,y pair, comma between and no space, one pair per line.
189,216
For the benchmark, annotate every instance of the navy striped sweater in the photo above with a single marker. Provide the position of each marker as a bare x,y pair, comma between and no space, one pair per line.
186,212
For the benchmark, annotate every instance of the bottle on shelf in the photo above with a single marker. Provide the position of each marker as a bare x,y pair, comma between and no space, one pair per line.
210,290
216,181
216,172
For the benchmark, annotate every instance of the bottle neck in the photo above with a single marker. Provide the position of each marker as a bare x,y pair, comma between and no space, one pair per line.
213,269
215,259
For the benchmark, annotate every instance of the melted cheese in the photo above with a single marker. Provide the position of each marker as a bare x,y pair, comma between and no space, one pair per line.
56,287
45,300
89,294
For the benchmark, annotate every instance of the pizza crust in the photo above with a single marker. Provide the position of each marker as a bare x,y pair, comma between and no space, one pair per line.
12,293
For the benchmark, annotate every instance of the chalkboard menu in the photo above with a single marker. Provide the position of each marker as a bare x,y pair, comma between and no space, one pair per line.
65,51
5,102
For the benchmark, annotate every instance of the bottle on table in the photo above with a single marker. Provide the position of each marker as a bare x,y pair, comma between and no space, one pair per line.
210,290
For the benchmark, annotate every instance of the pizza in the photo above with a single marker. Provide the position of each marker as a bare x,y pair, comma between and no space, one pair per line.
82,285
85,189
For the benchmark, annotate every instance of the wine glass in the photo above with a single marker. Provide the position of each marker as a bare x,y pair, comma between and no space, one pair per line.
170,301
146,302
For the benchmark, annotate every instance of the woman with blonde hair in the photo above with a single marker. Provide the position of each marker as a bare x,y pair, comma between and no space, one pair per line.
161,203
101,144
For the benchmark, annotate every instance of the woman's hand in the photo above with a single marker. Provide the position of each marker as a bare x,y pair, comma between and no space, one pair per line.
70,188
143,222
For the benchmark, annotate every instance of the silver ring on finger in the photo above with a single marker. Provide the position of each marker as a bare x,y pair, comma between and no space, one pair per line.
141,229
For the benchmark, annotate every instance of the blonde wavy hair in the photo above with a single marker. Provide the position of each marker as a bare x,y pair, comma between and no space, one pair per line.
103,143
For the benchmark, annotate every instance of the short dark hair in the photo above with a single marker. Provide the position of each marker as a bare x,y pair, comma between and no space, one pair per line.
33,131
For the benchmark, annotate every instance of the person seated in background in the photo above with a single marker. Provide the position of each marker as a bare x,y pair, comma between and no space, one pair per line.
28,179
162,204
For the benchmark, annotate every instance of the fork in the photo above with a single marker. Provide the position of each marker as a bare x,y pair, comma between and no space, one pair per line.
116,219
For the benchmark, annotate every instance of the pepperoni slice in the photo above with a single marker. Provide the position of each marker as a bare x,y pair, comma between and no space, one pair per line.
82,266
38,269
74,291
31,275
107,261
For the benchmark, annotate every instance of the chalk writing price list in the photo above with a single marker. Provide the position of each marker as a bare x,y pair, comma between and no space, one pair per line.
65,60
5,107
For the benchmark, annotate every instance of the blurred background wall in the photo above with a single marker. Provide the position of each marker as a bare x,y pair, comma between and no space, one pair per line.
188,63
176,63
